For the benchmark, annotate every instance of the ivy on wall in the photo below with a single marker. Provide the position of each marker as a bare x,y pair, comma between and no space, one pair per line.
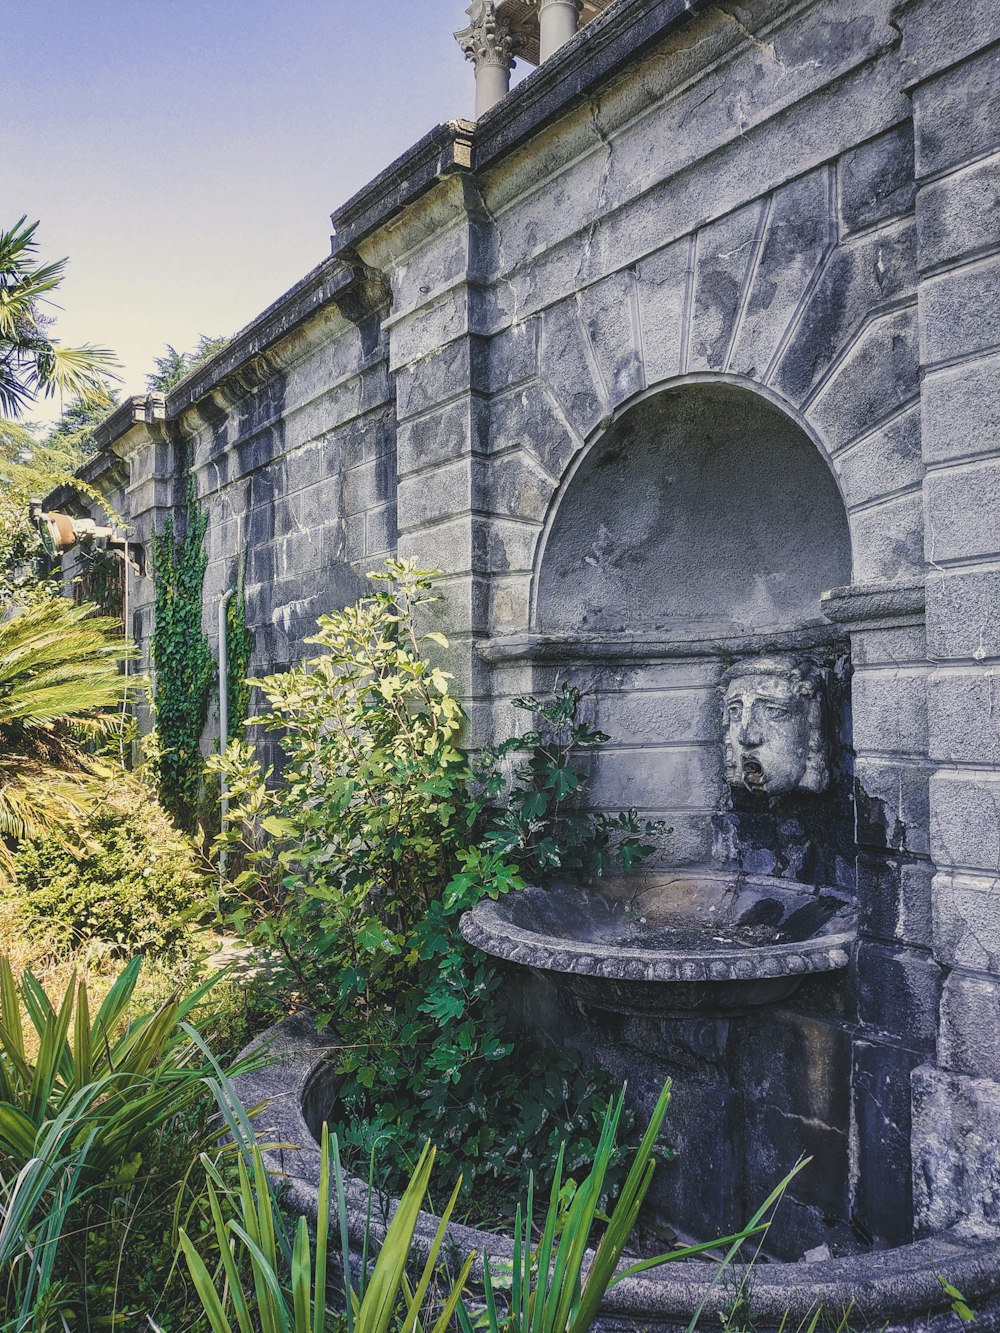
184,668
239,642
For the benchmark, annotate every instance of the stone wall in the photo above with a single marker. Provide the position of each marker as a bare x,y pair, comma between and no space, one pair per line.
785,215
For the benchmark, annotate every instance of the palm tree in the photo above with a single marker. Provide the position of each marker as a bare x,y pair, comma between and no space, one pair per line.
60,690
30,361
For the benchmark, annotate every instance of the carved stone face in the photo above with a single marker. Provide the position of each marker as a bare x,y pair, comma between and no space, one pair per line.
773,728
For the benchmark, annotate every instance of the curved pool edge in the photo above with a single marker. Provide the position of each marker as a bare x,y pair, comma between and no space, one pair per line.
894,1289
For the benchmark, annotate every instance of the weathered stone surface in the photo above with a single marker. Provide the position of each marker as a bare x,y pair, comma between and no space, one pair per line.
530,419
956,115
889,540
959,216
884,1189
963,509
960,410
956,1170
566,368
970,1016
610,315
958,312
967,921
892,804
890,711
876,179
861,277
876,378
661,292
898,993
965,819
894,898
725,253
892,452
798,234
963,613
963,707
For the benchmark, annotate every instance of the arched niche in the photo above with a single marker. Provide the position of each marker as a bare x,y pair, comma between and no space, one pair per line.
703,509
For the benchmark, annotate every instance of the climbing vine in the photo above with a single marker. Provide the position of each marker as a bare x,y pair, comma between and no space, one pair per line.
239,642
182,661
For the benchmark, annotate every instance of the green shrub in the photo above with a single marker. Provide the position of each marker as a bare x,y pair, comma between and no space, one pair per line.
352,873
132,880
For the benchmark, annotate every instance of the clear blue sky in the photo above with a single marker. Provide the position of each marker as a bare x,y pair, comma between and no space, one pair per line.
186,154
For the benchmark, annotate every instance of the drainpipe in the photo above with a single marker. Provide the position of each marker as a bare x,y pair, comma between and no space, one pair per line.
223,713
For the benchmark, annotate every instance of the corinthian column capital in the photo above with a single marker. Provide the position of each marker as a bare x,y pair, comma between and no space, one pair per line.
488,40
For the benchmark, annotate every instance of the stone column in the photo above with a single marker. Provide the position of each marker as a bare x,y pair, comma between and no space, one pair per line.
490,44
950,54
557,23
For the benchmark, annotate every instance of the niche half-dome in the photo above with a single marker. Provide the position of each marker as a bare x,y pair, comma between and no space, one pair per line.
704,508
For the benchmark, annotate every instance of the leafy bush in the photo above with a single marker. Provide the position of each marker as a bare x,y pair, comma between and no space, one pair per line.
353,872
128,878
545,829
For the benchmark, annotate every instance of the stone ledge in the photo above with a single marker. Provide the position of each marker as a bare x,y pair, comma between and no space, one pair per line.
862,603
898,1289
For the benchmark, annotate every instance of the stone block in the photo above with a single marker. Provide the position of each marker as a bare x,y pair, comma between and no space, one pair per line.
508,546
967,921
661,291
875,270
724,255
970,1019
796,1062
889,540
529,419
965,820
956,1168
437,437
514,486
958,312
378,433
963,510
892,805
963,614
380,530
798,235
898,993
876,179
440,376
682,716
566,370
960,410
513,355
429,328
964,714
876,378
441,492
610,315
883,1189
894,900
886,459
889,709
959,215
955,116
451,546
658,778
510,603
898,646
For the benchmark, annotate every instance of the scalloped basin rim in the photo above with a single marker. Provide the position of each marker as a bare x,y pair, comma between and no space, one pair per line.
494,927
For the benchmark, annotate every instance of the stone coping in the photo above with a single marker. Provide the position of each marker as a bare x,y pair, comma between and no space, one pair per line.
893,1289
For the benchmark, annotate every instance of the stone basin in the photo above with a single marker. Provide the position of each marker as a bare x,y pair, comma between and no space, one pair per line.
707,940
